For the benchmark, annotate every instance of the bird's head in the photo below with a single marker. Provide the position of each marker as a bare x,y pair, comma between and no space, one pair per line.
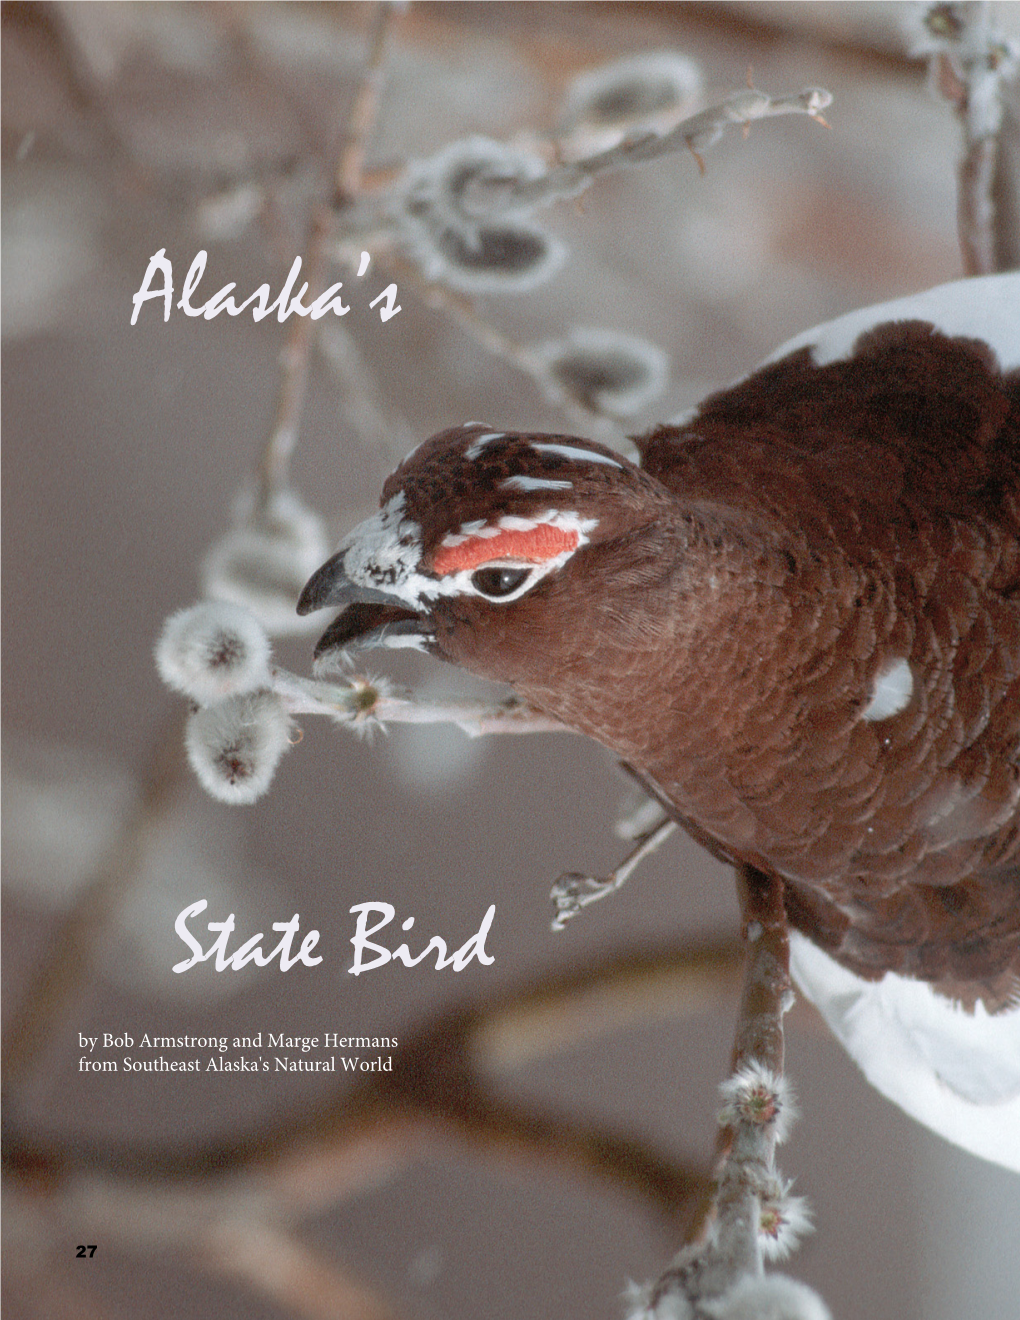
495,551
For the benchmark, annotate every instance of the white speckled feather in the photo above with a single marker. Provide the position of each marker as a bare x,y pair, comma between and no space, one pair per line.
987,308
956,1072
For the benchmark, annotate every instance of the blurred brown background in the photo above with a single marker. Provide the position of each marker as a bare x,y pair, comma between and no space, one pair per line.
125,446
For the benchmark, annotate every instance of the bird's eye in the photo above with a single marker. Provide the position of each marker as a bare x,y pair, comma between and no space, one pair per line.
496,582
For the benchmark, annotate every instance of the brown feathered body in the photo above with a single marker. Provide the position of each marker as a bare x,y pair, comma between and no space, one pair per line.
895,510
799,618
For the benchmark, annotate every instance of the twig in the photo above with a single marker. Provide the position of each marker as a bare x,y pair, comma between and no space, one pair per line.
971,63
767,990
489,196
363,114
364,410
585,416
274,464
724,1255
273,1263
88,88
68,965
496,183
558,1012
369,702
356,1139
759,1037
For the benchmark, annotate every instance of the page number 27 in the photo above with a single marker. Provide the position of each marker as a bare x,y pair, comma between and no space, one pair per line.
87,1251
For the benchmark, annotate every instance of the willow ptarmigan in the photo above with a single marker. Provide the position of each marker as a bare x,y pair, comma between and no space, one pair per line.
800,618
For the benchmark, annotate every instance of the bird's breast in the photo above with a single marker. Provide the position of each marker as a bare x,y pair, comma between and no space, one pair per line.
846,716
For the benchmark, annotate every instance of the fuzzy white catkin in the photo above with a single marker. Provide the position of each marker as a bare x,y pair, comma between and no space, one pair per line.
213,650
467,227
638,87
757,1095
266,558
769,1297
672,1306
503,258
761,1297
63,809
605,369
235,746
785,1219
470,182
789,1220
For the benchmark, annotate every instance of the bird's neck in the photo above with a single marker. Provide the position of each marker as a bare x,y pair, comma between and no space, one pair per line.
689,666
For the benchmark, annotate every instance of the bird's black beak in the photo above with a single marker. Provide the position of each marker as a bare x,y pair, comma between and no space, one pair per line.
368,617
330,586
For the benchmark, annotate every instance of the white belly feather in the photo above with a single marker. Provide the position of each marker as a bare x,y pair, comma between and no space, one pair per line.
956,1072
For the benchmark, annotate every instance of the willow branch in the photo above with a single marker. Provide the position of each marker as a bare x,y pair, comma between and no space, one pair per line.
356,1139
69,962
362,117
486,197
973,65
723,1258
274,463
380,428
759,1036
273,467
363,702
276,1265
68,966
586,416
